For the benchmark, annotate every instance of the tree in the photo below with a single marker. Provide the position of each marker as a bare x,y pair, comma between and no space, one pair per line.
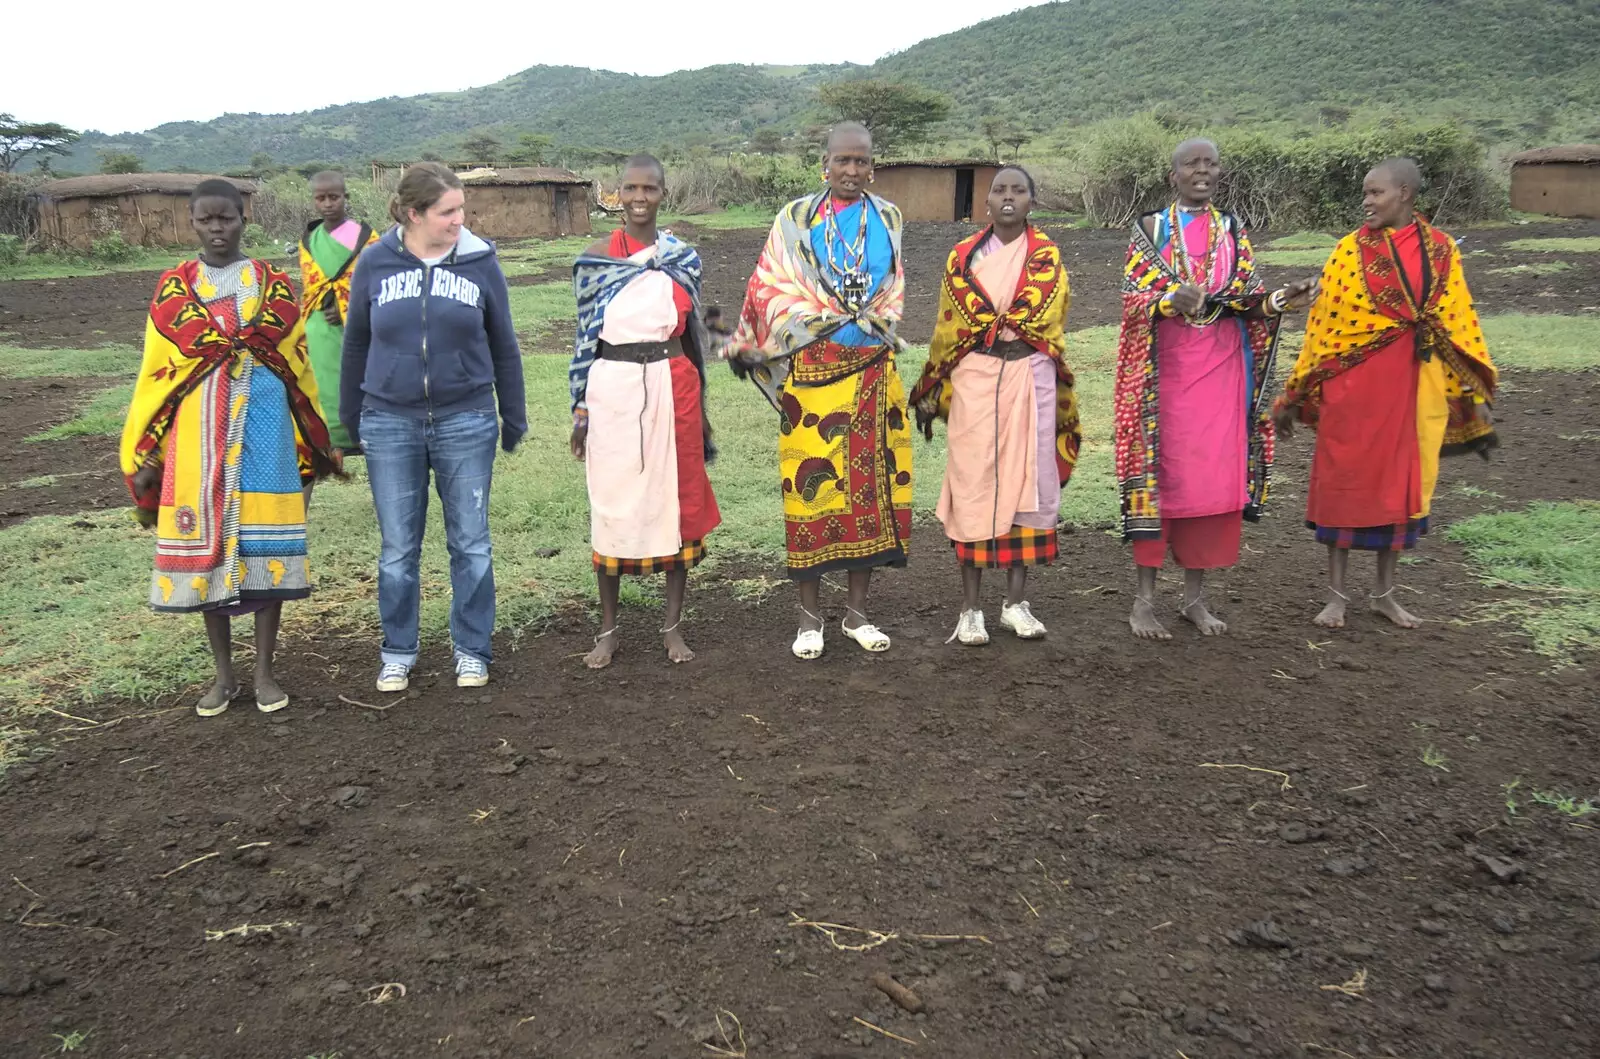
767,139
25,139
120,162
898,114
481,147
532,148
261,164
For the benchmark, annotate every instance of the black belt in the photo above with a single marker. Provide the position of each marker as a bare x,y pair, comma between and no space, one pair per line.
1012,350
640,352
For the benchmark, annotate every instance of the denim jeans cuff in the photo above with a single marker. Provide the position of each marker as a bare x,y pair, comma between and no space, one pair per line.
405,658
482,656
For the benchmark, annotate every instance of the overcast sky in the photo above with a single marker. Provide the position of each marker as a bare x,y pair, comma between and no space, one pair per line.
122,69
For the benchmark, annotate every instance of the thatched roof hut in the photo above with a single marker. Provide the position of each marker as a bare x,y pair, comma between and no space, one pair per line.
149,209
1559,181
515,203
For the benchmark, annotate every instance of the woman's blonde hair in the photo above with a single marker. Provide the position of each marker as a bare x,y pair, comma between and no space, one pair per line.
422,186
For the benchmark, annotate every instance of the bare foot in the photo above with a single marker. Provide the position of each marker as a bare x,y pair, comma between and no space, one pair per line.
215,700
677,649
605,645
269,696
1386,605
1196,614
1143,621
1332,616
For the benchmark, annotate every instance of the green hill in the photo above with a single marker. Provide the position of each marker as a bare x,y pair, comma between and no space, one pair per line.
1518,71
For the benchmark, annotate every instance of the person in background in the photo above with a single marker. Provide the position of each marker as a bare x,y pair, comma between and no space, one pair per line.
817,334
224,435
1394,373
429,351
1194,438
997,373
328,253
638,413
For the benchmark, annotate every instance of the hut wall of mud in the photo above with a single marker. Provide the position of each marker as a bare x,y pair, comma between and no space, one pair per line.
150,209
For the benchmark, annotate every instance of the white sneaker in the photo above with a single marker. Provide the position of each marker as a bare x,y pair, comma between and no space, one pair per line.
394,676
1020,620
970,630
471,672
869,636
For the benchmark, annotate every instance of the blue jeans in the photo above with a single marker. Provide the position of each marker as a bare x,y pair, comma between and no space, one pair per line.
459,450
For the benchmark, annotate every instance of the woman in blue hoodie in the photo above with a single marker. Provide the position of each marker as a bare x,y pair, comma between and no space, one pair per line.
428,350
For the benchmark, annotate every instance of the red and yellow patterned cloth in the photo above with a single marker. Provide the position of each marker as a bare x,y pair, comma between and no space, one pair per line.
1367,303
1037,314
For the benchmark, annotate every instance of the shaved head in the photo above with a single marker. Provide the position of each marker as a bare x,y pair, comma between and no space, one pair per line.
846,128
1188,147
327,178
1404,172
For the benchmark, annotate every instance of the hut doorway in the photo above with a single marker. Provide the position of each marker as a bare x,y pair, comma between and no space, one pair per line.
564,210
964,194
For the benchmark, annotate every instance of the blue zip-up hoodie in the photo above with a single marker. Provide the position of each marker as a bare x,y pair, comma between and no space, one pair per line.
428,341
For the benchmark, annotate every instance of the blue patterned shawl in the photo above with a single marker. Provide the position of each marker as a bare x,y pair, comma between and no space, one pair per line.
596,280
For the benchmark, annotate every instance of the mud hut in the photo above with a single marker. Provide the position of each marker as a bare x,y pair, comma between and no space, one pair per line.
534,201
148,209
936,191
1559,181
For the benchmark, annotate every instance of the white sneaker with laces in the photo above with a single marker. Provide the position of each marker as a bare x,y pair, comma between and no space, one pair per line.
394,676
1020,620
970,629
471,672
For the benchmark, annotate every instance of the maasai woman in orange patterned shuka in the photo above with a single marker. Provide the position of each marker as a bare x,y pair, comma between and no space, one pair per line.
997,373
1193,438
223,433
1394,374
817,334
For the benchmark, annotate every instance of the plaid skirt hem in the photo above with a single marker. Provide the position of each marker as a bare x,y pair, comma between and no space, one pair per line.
1023,546
1400,537
687,558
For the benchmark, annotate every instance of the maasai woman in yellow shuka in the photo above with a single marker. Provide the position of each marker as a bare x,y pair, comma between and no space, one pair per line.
997,374
328,253
817,333
1394,373
223,432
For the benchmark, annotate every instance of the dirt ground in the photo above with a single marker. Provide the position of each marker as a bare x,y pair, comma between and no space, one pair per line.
1055,841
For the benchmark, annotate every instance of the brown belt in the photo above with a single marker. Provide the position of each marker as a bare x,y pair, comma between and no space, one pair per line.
640,352
1012,350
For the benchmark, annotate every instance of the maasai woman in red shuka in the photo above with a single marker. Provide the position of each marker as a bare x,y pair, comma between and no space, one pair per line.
1394,373
637,378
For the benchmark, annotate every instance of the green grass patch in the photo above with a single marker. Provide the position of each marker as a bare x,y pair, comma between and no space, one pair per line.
539,310
539,257
1551,551
732,217
1539,268
74,620
19,363
1584,244
101,415
1543,342
1313,258
1305,241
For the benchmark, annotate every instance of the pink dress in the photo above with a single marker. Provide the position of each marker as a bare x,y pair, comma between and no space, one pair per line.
1203,387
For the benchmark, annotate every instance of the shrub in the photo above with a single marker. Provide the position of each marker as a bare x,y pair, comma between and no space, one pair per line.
112,249
1278,182
255,235
11,250
16,212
